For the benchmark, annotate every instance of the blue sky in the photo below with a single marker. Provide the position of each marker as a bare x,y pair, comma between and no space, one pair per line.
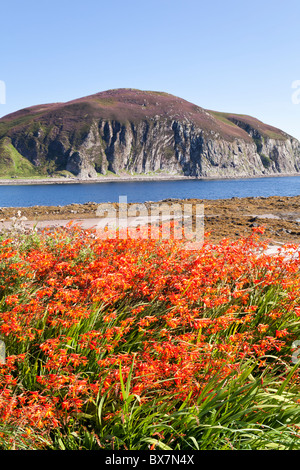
223,55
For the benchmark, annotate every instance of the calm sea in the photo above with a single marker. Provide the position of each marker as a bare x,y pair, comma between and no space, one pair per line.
63,194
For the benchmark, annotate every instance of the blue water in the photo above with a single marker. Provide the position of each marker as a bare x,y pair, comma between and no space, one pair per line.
63,194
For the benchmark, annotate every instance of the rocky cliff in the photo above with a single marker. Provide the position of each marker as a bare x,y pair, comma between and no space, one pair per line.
140,132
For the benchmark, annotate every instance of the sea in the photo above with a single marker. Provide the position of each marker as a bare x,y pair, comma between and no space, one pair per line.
141,191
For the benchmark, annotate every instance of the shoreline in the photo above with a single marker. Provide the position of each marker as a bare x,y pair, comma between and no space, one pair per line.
130,179
224,218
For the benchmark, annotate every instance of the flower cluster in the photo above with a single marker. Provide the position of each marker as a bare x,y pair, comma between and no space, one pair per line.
80,315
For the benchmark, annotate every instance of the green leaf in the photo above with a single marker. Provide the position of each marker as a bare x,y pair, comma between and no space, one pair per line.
158,443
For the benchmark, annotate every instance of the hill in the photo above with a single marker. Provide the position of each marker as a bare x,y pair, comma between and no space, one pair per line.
140,132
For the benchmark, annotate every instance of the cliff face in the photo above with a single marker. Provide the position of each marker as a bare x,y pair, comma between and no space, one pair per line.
141,133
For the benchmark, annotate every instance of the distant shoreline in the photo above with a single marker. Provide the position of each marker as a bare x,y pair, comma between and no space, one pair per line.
130,179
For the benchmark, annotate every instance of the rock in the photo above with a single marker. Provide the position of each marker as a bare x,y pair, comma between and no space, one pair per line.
113,131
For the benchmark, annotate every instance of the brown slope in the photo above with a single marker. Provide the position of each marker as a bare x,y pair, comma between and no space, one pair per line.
121,105
131,105
251,125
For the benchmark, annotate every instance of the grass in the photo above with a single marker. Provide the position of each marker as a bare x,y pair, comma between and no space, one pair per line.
222,117
12,163
108,173
125,344
265,130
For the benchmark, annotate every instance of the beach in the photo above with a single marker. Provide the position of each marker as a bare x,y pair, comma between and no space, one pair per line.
123,178
223,218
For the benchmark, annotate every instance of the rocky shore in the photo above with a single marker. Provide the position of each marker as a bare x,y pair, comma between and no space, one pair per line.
127,178
100,179
223,218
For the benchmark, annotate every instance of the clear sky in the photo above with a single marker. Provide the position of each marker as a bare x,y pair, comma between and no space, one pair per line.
224,55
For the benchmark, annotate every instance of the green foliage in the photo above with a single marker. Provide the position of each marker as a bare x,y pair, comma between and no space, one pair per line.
266,161
12,163
222,117
254,409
